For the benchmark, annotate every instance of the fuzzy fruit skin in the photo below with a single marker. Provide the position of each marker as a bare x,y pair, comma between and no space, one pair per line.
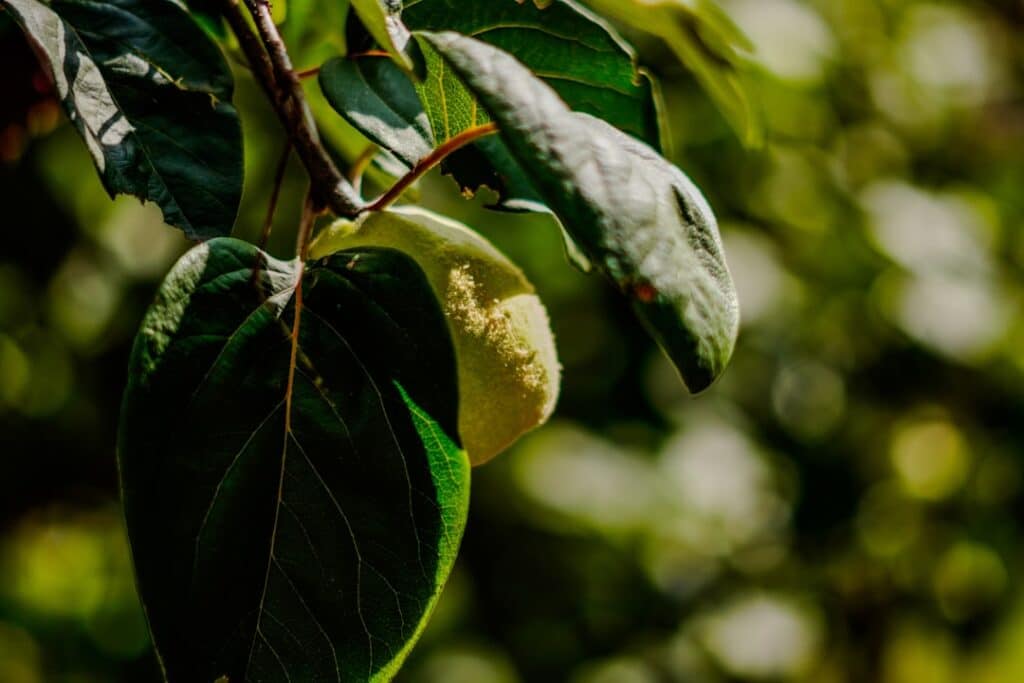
508,368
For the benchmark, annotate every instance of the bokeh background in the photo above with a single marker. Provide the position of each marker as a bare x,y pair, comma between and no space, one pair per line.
844,506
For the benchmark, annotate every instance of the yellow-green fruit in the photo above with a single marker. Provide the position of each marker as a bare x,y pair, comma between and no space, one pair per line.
508,369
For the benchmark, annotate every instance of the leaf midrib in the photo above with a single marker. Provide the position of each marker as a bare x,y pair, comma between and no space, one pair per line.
289,435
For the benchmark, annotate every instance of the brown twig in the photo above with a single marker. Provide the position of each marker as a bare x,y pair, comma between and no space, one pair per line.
268,223
275,194
272,68
370,53
309,214
428,162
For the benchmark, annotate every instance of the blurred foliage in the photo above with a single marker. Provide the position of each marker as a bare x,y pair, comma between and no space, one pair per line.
844,506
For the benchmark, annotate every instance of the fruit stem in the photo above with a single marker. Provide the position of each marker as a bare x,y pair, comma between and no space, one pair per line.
428,162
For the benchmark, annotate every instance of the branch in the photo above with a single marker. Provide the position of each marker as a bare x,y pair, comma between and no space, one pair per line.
272,69
428,162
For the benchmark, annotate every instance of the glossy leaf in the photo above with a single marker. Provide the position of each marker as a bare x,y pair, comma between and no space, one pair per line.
635,215
292,485
378,98
150,94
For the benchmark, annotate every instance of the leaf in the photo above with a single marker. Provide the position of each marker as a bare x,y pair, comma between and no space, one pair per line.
345,142
378,98
707,42
565,44
380,101
382,19
577,53
292,485
150,95
635,215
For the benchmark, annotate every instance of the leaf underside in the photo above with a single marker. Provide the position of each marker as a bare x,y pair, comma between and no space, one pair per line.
294,500
637,217
150,94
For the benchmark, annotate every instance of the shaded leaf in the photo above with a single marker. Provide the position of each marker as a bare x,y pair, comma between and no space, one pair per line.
635,215
378,98
293,490
150,95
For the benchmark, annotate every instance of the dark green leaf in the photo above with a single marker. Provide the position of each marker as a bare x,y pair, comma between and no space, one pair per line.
378,98
294,501
150,95
635,215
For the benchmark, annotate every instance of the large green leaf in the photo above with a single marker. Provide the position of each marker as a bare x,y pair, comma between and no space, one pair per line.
635,215
293,490
150,95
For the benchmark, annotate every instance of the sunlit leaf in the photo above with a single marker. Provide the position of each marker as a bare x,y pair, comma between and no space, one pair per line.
378,98
293,490
150,95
